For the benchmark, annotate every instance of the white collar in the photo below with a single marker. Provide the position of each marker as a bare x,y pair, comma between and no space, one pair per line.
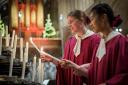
78,42
112,35
101,51
87,34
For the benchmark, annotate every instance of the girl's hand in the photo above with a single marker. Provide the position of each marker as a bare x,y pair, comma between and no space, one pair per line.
68,64
46,58
82,70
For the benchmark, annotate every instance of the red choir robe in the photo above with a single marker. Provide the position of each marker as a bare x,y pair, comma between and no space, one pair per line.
113,67
66,76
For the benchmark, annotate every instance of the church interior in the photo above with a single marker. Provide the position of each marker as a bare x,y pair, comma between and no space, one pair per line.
29,27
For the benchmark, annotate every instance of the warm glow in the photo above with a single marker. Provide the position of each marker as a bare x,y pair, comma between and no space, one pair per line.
27,15
14,12
27,18
33,15
40,14
21,17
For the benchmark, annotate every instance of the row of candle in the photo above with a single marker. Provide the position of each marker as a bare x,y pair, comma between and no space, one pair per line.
23,56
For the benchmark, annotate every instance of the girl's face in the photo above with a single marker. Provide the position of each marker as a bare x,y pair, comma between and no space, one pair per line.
75,24
97,22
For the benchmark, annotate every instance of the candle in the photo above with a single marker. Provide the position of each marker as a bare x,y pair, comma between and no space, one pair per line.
24,65
15,45
11,63
12,42
6,30
13,54
42,71
27,46
44,53
21,49
39,71
0,43
7,37
7,40
34,68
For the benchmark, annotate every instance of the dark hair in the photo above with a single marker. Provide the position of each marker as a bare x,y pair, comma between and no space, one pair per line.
104,8
80,16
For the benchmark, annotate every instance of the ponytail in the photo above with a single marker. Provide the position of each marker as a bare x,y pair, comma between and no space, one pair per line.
117,21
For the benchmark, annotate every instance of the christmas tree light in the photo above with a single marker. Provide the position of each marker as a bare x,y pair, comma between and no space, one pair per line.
49,29
2,30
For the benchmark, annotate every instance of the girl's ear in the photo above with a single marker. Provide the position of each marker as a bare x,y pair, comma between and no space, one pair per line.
104,17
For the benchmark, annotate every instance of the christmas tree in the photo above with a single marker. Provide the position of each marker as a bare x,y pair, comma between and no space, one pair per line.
2,30
49,31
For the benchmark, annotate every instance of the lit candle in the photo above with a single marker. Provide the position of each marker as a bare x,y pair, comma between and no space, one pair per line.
0,43
27,47
34,68
44,53
15,45
21,49
12,42
40,69
24,65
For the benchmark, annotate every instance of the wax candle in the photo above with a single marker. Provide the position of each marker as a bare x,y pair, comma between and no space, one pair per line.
24,65
34,68
27,47
7,38
42,72
15,45
12,41
41,68
21,49
11,63
39,71
44,53
6,29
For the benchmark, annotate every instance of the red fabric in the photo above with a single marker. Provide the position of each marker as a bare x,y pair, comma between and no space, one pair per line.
113,68
66,76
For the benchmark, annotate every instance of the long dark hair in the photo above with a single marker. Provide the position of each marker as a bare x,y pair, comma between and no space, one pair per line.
104,8
80,15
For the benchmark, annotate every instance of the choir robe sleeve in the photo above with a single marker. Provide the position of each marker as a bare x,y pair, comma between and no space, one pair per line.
121,73
60,76
94,47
